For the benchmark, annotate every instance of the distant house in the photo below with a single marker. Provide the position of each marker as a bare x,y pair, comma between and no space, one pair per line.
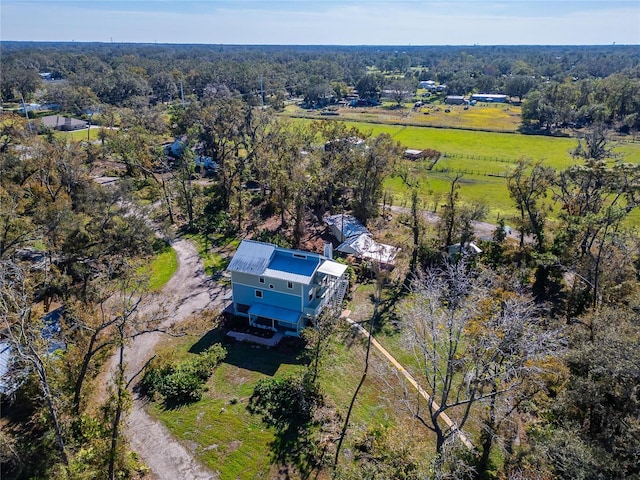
205,162
489,97
412,154
426,84
357,240
339,143
8,383
455,100
281,289
12,376
175,148
364,247
58,122
30,107
343,226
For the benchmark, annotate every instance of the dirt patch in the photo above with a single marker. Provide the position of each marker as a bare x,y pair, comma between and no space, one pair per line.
190,291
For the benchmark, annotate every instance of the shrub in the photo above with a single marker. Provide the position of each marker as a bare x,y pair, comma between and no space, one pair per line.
182,382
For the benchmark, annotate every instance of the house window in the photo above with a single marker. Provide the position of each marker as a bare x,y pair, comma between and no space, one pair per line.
311,294
289,284
258,293
271,286
261,279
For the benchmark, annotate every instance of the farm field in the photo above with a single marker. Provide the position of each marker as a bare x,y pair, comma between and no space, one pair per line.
484,159
483,116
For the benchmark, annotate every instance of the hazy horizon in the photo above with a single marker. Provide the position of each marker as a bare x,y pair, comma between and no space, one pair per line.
324,22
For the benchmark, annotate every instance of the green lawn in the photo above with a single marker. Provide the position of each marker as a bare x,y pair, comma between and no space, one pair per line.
229,440
222,433
163,266
80,135
213,262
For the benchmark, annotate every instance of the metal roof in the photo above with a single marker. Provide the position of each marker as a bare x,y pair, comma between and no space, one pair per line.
252,257
334,269
347,225
275,313
294,269
265,259
10,380
366,247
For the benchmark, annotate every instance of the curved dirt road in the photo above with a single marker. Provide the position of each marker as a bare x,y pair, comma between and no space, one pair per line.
189,291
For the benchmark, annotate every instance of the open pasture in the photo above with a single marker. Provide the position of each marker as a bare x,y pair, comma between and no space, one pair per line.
484,159
487,117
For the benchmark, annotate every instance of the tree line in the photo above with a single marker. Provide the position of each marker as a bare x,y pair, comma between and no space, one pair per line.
567,86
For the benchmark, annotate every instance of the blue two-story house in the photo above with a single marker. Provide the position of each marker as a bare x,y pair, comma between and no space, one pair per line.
282,289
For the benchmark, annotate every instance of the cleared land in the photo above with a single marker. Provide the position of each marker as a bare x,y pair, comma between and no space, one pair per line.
484,158
498,117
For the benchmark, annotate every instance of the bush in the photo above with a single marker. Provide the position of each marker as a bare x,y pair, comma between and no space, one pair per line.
182,382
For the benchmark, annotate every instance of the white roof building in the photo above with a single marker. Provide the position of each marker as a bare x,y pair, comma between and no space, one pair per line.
363,246
358,241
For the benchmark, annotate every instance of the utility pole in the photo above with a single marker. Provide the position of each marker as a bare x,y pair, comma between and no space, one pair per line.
182,93
26,113
261,92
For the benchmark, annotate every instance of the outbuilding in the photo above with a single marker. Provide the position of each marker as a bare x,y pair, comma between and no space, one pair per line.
58,122
455,100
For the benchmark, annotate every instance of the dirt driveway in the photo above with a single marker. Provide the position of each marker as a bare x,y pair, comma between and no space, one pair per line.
189,291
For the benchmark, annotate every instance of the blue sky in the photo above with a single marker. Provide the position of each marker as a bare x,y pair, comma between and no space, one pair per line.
325,22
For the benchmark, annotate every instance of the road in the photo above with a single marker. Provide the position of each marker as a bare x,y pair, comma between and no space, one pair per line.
482,230
189,291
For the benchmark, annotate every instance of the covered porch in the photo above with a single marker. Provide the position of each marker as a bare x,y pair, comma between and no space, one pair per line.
278,319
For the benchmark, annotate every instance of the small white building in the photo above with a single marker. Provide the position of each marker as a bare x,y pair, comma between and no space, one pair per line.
468,249
489,97
357,240
413,154
364,247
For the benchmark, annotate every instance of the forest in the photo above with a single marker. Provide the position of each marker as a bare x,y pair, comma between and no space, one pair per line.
529,347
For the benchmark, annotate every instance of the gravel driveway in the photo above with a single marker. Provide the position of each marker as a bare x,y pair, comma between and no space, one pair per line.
189,291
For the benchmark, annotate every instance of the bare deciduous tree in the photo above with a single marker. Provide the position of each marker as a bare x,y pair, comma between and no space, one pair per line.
26,339
473,343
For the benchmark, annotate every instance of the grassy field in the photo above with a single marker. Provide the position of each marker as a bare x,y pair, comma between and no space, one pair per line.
221,432
80,135
484,158
483,116
213,262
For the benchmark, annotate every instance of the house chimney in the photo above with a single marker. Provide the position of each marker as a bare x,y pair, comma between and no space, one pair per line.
328,250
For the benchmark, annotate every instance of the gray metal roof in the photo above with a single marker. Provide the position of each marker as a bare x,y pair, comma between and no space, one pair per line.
348,225
252,257
364,246
265,259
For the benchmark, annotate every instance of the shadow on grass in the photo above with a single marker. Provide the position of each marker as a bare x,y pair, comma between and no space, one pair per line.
386,319
216,335
295,447
256,358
